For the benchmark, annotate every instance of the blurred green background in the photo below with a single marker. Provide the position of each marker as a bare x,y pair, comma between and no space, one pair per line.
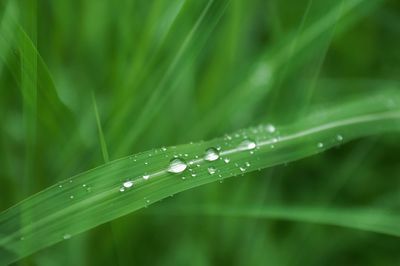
166,72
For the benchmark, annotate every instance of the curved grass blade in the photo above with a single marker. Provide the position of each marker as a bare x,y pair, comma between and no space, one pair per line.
128,184
366,219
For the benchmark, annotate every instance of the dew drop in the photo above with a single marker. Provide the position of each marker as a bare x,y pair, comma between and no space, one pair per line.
212,154
211,170
320,145
242,169
145,177
177,166
270,128
71,197
227,160
122,189
247,164
339,137
164,149
128,184
247,145
66,236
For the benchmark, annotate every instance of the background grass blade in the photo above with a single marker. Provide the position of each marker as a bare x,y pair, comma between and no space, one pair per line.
128,184
367,219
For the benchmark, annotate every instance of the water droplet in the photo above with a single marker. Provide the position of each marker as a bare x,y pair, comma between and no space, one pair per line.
66,236
227,160
320,145
193,175
270,128
247,164
122,189
275,140
339,137
128,184
242,169
177,166
71,197
211,170
145,177
164,149
146,163
84,185
60,186
212,154
247,145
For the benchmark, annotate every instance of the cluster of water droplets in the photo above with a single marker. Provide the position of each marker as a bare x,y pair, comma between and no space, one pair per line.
180,164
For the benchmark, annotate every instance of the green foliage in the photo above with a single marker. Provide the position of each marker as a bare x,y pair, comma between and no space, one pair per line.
84,85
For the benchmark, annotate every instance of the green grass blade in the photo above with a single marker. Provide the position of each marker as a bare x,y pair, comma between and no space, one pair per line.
128,184
103,144
366,219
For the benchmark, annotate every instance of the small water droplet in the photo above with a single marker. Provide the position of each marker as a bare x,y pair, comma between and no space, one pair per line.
66,236
163,149
275,140
177,166
211,170
146,163
212,154
193,175
227,160
60,186
270,128
247,164
320,145
71,197
247,145
145,177
242,169
128,184
122,189
339,137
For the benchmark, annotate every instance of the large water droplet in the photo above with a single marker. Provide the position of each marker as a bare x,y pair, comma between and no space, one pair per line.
128,184
247,145
211,170
177,166
212,154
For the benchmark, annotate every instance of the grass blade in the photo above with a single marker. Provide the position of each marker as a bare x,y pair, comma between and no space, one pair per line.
128,184
366,219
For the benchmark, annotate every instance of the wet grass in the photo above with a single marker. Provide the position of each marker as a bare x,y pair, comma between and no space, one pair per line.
310,90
